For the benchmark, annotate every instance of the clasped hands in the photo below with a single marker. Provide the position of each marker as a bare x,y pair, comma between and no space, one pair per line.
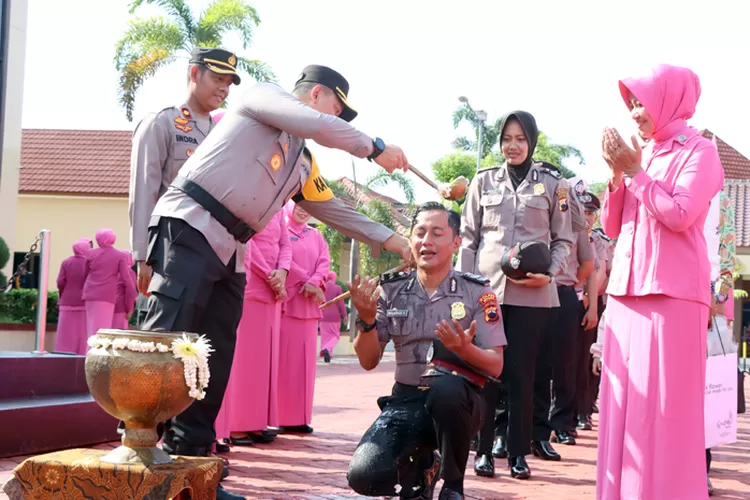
621,158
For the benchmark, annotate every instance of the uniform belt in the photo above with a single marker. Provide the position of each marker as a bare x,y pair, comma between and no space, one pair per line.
451,369
236,227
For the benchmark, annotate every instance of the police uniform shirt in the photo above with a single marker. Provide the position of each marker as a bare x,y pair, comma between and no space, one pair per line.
583,250
408,316
162,142
254,162
604,256
495,217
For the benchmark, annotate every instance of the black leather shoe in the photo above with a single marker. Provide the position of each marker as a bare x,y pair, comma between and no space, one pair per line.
573,432
261,437
297,429
221,448
448,494
499,450
222,494
545,451
594,409
430,478
584,423
563,437
326,356
484,465
519,469
244,441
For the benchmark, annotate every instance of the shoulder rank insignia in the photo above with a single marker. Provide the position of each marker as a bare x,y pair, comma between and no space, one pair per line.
550,169
475,278
186,113
487,169
601,233
391,277
184,128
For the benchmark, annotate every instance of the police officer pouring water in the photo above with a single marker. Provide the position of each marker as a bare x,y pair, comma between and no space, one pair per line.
449,340
520,201
163,141
243,173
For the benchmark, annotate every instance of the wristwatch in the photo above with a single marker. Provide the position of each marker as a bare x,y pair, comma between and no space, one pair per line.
378,146
365,327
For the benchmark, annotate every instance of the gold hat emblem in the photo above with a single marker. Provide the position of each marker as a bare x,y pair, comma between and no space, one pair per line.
458,310
232,60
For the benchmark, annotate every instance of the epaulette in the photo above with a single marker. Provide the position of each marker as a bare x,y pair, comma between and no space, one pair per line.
553,173
166,109
602,234
391,277
475,278
487,169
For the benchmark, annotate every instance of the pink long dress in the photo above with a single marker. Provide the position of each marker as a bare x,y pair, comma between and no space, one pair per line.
299,323
71,322
651,436
127,293
250,401
330,323
104,267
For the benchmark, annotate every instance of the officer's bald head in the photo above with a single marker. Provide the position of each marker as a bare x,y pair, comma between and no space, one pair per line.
454,220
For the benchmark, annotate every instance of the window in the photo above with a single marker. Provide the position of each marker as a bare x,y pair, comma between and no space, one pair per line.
30,279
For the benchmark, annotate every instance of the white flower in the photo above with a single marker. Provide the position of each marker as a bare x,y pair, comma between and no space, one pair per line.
161,347
194,357
93,341
120,343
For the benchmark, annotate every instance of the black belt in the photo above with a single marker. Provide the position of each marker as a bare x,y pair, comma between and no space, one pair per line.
236,227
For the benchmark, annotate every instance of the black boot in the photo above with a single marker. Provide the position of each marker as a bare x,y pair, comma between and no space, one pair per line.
484,465
297,429
519,469
545,451
448,494
499,450
584,423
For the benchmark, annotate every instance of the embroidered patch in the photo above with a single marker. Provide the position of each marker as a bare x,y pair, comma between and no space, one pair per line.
186,113
562,199
181,121
276,162
488,301
397,313
184,128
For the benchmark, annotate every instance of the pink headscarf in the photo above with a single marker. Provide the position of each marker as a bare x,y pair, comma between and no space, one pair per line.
105,238
289,212
332,276
218,116
131,262
669,94
81,246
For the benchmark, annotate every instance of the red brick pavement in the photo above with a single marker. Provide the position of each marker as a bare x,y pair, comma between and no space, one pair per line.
314,467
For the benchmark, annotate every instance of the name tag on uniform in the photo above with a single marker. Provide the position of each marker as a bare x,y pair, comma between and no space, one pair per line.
397,313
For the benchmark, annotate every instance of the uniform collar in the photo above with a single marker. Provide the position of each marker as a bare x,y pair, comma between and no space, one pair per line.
533,175
447,288
677,139
186,112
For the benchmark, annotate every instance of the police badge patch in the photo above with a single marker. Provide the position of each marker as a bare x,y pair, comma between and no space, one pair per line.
458,310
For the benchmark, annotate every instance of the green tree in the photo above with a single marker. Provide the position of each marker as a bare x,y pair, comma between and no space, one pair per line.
150,44
4,257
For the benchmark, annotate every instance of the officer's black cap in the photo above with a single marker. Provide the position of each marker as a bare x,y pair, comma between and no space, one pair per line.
333,80
524,258
590,201
219,61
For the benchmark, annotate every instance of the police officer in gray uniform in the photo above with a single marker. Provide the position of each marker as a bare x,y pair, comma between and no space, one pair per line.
243,173
517,202
163,141
436,405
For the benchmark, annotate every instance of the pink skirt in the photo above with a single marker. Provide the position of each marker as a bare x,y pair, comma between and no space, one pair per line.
120,321
250,399
71,330
651,436
297,362
330,333
99,314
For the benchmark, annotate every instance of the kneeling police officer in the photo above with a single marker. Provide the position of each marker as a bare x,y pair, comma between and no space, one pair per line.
449,339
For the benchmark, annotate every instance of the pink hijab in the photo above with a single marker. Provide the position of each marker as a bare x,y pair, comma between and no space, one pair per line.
332,277
105,238
669,94
218,116
81,246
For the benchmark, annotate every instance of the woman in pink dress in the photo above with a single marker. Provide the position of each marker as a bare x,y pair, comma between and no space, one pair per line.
299,321
71,322
330,323
104,267
127,293
250,406
651,436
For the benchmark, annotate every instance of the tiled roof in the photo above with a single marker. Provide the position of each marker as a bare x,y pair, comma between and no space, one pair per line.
366,195
739,193
736,166
84,162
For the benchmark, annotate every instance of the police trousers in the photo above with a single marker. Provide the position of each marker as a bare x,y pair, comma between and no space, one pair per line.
399,446
585,379
193,291
524,329
561,352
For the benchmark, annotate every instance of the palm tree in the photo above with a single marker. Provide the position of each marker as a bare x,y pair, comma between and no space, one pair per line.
150,44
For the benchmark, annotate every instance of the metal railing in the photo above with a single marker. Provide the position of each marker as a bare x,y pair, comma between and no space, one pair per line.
44,239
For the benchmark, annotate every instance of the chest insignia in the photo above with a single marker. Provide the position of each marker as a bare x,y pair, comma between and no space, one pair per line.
539,189
184,128
186,113
189,153
181,121
458,310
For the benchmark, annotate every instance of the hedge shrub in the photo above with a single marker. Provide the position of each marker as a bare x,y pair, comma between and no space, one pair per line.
19,306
